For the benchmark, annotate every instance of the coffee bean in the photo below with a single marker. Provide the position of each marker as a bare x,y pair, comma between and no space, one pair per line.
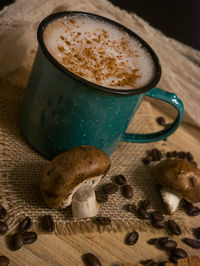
29,237
143,214
189,208
161,263
197,232
3,212
120,180
161,239
157,215
173,259
127,191
157,224
91,260
103,220
161,121
179,253
16,241
156,154
48,223
169,154
25,224
145,205
193,162
193,243
182,155
3,228
175,154
147,160
110,188
174,228
148,262
153,241
101,196
132,238
189,156
131,207
4,261
168,244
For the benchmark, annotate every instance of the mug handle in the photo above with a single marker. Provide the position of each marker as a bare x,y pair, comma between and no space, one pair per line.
165,96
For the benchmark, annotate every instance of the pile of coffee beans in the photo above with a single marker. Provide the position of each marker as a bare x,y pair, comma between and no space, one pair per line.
156,155
102,195
23,236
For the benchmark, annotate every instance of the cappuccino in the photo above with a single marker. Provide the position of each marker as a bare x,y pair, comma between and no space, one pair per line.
99,52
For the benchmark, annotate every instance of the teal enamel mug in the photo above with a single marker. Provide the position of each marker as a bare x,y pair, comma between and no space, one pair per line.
61,109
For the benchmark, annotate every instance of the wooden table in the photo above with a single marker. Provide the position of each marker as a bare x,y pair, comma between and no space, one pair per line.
110,248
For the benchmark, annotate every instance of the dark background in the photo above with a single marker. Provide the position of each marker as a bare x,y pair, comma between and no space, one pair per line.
179,19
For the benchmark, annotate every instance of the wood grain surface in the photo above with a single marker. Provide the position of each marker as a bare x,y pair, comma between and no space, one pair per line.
110,248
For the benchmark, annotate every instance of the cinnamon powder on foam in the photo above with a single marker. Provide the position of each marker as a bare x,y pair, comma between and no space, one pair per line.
91,61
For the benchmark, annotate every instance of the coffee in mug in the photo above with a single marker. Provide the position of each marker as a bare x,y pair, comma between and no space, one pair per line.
99,52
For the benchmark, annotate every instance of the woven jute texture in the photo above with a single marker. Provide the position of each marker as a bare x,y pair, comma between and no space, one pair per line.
21,167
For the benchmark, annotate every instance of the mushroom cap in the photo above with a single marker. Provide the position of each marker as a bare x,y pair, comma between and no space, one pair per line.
68,171
180,176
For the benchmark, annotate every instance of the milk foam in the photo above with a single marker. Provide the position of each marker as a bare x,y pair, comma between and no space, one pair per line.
99,52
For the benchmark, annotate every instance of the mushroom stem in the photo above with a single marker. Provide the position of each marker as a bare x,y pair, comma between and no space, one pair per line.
170,200
84,203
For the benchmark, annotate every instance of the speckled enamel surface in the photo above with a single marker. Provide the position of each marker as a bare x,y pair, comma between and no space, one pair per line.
59,113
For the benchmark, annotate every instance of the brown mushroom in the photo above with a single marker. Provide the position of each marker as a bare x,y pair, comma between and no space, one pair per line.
70,178
180,179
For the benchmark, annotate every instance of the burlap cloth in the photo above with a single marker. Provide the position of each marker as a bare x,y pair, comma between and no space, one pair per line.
21,167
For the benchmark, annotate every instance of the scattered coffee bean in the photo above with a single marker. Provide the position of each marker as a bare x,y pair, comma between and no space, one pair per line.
103,220
48,223
157,224
161,263
3,212
16,241
120,180
156,154
189,156
182,155
193,243
145,205
91,260
147,160
194,163
143,214
29,237
168,244
189,208
25,224
110,188
127,191
101,196
4,261
132,238
161,121
169,154
197,232
131,207
179,253
157,215
161,239
153,241
174,228
148,262
3,228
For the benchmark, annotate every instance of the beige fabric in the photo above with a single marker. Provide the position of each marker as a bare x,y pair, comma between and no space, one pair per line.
21,167
180,63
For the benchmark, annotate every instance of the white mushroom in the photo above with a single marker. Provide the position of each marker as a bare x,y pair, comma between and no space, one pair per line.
179,179
71,177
